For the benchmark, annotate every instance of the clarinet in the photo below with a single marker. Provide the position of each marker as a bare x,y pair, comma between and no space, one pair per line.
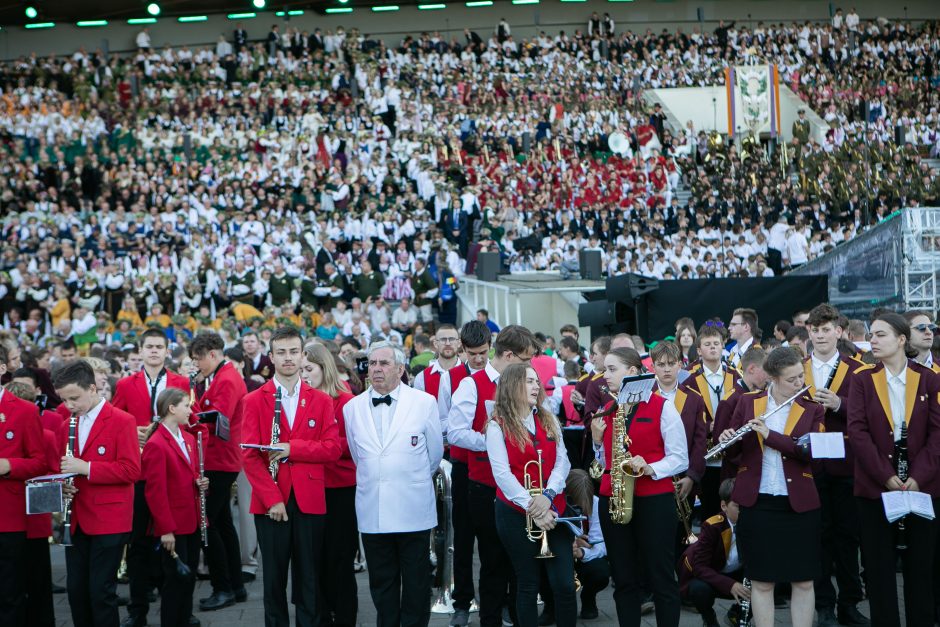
744,615
903,474
69,452
275,431
203,520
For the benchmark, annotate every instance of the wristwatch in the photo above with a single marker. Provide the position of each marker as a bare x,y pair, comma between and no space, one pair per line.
549,493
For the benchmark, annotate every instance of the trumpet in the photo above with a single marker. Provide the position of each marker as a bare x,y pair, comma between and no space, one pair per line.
685,514
69,452
721,447
534,487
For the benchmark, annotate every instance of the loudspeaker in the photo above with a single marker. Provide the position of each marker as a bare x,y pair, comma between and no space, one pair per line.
487,266
590,262
597,314
629,287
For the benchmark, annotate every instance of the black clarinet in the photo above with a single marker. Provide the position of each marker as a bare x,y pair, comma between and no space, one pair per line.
903,471
275,431
69,452
744,605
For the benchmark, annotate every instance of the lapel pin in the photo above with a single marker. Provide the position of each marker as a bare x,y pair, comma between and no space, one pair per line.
303,403
3,417
9,435
101,450
414,440
311,423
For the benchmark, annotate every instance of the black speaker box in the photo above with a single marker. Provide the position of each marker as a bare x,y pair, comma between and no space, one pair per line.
487,266
590,263
628,287
599,313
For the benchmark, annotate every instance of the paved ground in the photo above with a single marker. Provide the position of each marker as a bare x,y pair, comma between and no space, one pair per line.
251,612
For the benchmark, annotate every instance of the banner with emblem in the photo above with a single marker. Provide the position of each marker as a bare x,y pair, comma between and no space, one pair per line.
753,93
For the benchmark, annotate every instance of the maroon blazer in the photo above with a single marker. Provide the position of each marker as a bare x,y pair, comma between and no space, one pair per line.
835,421
170,483
594,396
314,443
705,559
726,407
692,410
132,394
698,383
871,429
806,416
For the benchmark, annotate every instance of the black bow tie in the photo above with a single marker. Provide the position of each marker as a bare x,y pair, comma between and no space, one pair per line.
387,399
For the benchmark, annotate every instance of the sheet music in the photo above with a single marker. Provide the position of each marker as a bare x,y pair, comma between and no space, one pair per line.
56,477
899,503
827,445
636,389
44,497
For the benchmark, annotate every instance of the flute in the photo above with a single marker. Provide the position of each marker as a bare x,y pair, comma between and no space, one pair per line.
721,447
203,519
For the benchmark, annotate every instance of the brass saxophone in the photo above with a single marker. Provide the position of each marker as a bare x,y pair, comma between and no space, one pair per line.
622,477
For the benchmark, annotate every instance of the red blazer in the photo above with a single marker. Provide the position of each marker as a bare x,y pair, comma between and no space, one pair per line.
805,417
170,483
40,525
705,559
105,500
132,394
836,421
21,443
314,443
342,474
871,430
223,395
692,410
51,420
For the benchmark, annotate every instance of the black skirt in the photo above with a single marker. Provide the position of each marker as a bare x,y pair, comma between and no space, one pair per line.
777,544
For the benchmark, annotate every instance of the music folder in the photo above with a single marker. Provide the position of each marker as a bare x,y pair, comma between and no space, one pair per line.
44,497
220,420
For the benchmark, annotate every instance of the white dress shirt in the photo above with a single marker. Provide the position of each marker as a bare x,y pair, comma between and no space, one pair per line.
178,436
738,351
772,479
445,396
716,384
382,413
896,387
823,369
85,423
595,536
676,459
499,461
734,559
462,412
289,400
161,385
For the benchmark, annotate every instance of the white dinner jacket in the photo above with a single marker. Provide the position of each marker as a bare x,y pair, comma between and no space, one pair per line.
394,487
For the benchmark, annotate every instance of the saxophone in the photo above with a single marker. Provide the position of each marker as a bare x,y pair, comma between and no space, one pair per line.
622,478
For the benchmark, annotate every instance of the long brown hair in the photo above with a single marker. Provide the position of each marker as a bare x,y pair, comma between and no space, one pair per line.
512,407
320,355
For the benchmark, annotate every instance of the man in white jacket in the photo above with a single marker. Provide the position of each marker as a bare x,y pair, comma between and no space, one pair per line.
394,435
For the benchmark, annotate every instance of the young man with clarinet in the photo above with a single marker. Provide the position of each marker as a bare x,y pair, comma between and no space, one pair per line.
101,449
894,428
137,395
289,434
22,456
829,377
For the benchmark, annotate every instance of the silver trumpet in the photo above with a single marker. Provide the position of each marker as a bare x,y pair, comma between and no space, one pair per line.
721,447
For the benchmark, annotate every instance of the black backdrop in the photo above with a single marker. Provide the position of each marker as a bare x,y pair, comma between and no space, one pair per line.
774,298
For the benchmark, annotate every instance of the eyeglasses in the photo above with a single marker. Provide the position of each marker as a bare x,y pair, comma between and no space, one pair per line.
448,340
924,327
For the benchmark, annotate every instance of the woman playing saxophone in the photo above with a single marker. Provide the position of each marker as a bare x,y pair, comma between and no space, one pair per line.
640,446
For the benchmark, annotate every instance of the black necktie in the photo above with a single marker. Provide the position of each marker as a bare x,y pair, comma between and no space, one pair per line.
387,399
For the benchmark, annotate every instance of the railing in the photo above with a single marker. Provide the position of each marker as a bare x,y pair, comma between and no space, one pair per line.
506,302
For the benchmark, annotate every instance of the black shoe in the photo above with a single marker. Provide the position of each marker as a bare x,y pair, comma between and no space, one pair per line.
123,601
152,596
217,601
648,606
57,589
589,612
849,615
241,595
826,618
547,617
246,577
194,622
133,621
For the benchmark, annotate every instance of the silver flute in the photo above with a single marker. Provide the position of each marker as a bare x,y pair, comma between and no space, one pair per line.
721,447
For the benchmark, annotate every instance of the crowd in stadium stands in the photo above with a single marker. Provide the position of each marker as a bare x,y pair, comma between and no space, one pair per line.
324,174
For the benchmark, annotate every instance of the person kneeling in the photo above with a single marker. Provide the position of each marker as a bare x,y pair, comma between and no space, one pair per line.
712,567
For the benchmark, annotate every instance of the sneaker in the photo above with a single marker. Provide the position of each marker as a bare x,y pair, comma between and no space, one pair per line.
849,615
648,605
507,620
461,618
547,617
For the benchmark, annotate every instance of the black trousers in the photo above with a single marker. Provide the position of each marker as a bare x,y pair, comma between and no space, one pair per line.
399,577
144,571
496,573
176,594
464,537
574,445
337,567
708,492
39,606
594,576
91,565
527,566
645,545
223,555
297,545
879,555
12,590
703,596
839,543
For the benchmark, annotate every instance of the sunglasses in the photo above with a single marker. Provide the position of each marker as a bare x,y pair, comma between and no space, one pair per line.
924,327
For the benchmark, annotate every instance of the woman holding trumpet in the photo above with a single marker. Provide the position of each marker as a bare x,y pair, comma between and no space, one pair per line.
170,471
530,466
639,532
779,524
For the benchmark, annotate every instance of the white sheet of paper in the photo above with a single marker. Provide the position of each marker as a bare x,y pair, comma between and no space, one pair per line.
921,504
896,504
827,445
489,406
